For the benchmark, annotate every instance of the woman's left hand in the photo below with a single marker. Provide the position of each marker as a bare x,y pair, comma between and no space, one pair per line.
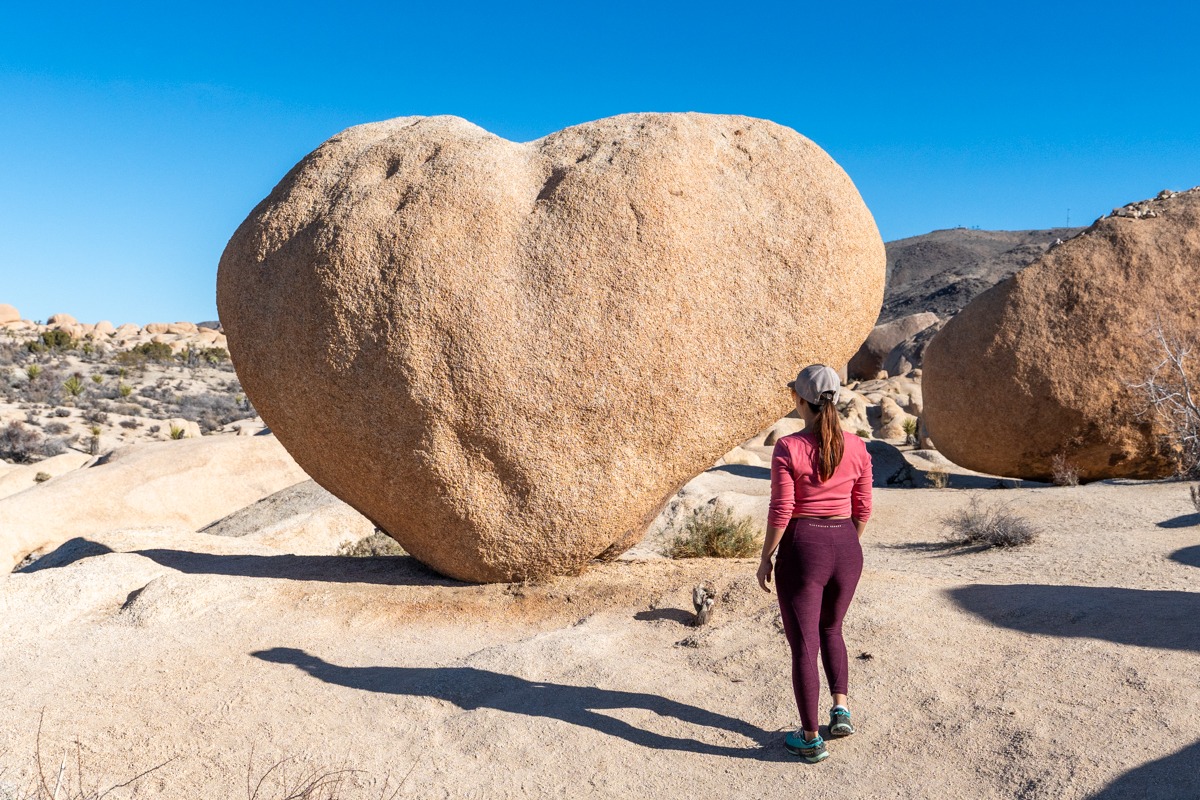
764,574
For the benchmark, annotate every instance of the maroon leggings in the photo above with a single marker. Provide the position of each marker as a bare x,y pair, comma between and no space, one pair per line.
816,572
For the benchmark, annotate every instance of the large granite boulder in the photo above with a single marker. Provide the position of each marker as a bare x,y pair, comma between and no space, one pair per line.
1040,367
869,359
509,356
8,314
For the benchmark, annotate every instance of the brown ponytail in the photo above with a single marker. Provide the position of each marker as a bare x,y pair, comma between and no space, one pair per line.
828,433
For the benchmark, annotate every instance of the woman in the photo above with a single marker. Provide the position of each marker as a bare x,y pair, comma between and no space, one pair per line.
820,503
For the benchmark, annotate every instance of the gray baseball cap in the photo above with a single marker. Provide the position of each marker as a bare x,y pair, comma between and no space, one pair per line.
816,380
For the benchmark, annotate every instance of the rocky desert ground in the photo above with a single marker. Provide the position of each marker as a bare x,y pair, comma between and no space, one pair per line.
186,606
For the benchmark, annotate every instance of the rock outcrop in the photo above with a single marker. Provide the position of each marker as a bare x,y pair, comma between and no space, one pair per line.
1052,352
509,356
8,314
869,359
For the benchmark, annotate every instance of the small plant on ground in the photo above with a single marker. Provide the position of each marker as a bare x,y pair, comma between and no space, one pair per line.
73,385
377,544
33,372
863,433
178,432
996,526
97,378
712,531
938,477
1062,472
1171,398
94,442
124,389
41,477
910,430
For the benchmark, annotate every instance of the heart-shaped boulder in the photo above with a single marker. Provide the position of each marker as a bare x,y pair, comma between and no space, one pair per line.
509,356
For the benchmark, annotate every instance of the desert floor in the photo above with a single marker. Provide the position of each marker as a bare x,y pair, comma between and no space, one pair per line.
1065,669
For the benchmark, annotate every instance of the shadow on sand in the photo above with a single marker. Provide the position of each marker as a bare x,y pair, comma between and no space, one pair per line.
470,689
1182,521
1169,778
1142,617
1188,556
744,471
385,570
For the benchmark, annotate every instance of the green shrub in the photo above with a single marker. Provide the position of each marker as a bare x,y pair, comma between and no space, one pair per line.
178,432
73,385
41,477
976,526
713,532
214,355
155,351
863,433
910,430
33,371
124,389
57,340
97,378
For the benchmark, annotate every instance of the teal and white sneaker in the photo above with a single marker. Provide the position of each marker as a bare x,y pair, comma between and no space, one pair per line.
839,722
811,750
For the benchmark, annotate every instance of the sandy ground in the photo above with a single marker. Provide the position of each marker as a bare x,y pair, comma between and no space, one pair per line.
1067,669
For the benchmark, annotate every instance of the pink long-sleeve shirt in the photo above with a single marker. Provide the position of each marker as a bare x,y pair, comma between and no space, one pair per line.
796,487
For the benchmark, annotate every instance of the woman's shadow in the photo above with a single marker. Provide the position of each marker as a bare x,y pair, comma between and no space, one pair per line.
470,688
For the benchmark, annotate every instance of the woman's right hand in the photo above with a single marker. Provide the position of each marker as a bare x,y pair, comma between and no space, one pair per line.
764,574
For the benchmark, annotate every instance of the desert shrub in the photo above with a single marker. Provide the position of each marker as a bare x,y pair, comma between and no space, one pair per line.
976,526
863,433
212,411
57,340
377,544
124,389
177,432
19,443
712,531
33,372
73,385
62,412
97,378
96,417
56,445
214,355
56,428
910,430
131,424
94,441
938,477
1062,472
155,351
1170,397
154,429
41,477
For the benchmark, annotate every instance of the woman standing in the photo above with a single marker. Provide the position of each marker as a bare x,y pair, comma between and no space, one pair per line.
820,503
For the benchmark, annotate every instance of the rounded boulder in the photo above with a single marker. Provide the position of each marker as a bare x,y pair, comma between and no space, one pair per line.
510,355
1044,367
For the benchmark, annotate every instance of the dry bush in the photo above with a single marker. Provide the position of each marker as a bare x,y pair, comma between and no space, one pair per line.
1170,392
938,477
713,532
1062,472
976,526
19,443
377,544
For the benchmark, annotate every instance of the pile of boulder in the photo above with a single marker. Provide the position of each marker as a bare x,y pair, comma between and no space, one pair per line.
180,336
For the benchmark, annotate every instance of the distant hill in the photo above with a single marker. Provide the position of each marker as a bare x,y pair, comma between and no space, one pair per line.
944,270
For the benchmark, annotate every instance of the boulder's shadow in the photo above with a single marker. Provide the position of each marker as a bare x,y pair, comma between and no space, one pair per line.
385,570
470,688
1169,778
744,471
1189,556
1182,521
1142,617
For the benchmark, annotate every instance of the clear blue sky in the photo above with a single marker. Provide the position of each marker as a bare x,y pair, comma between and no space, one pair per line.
135,137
